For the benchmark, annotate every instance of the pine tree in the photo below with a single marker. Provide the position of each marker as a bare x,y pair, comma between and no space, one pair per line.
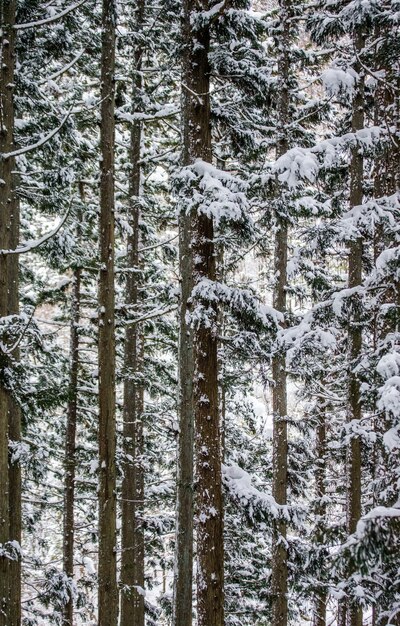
107,585
132,510
183,580
70,443
209,511
10,533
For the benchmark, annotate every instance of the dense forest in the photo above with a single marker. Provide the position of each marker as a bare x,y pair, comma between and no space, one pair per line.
200,312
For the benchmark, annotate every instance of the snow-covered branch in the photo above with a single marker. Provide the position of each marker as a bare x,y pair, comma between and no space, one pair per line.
38,144
29,246
51,18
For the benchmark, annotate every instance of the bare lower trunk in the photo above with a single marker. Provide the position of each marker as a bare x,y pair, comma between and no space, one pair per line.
9,511
341,613
354,612
132,538
319,618
14,433
279,573
210,598
107,574
183,579
70,445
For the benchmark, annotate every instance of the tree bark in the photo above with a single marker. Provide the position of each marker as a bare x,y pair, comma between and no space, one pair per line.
183,558
9,514
132,539
183,566
279,586
319,618
14,433
14,430
107,575
70,444
183,575
197,138
354,611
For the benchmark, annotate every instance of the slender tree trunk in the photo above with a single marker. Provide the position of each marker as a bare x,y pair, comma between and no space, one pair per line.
220,274
197,137
319,618
341,613
8,228
70,444
14,433
183,579
354,612
279,572
107,574
183,558
132,539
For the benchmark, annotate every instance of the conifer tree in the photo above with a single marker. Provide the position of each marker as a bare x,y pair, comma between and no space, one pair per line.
107,564
132,509
10,526
279,394
183,579
209,510
355,337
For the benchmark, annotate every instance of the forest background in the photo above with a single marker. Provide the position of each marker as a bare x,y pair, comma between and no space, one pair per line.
199,312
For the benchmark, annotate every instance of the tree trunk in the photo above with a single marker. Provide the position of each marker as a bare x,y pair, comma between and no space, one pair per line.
354,612
70,444
183,580
341,613
279,572
9,514
14,433
319,618
183,558
132,538
107,575
197,138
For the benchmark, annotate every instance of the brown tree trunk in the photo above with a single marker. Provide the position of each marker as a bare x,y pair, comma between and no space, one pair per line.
341,613
107,574
279,572
354,612
70,444
9,515
183,581
14,433
183,558
197,137
319,618
132,538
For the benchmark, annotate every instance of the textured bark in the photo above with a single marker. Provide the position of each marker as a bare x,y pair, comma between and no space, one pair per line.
319,617
132,539
107,575
197,137
279,585
8,207
341,613
70,445
14,432
183,558
354,612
